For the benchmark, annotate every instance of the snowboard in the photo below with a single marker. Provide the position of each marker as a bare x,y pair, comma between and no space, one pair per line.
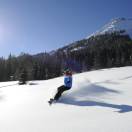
51,101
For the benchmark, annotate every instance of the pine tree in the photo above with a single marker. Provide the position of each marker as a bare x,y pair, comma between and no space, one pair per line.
23,77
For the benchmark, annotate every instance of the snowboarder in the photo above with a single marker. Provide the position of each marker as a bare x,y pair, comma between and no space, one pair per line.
67,85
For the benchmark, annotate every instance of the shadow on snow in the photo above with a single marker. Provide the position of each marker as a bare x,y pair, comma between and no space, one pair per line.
121,108
83,97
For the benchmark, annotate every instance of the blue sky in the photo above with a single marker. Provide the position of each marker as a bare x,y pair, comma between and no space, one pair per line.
34,26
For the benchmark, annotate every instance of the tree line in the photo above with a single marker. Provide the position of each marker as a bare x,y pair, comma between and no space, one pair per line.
97,52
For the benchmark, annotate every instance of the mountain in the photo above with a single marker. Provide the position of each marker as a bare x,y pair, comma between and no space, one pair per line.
99,101
121,26
116,25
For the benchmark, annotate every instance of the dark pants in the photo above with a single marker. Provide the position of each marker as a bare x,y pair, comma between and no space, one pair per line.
60,90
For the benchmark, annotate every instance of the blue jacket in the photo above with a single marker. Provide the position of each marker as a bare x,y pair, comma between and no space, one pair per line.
68,81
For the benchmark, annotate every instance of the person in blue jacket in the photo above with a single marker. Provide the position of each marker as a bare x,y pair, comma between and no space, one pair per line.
67,85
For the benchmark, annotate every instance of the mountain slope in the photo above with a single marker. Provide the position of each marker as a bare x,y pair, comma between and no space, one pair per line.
100,101
121,26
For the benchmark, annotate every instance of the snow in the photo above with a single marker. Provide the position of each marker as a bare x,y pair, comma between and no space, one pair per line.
100,101
76,49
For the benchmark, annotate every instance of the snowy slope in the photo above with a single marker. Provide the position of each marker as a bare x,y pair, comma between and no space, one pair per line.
100,101
117,24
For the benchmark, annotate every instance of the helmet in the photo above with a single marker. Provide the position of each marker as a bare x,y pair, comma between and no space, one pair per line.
68,72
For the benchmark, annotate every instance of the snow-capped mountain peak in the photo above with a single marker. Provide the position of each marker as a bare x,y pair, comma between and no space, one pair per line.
119,24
